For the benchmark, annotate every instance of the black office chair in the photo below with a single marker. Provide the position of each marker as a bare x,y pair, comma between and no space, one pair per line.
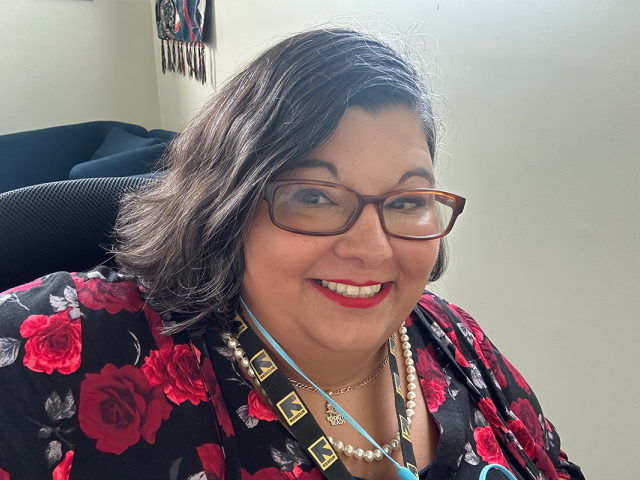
58,226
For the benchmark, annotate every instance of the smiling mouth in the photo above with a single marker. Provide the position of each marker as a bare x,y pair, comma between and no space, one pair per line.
351,291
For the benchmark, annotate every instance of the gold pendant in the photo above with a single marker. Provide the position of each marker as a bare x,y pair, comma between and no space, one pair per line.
333,417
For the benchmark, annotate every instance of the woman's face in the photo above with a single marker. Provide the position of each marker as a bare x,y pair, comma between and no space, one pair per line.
372,154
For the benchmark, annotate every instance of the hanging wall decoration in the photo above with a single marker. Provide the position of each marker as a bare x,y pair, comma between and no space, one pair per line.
180,24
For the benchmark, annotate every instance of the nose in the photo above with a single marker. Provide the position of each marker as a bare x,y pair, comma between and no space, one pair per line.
365,240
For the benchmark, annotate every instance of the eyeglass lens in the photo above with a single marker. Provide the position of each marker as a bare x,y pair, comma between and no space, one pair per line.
324,209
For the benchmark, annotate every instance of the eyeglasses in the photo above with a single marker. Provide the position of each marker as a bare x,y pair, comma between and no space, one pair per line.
323,208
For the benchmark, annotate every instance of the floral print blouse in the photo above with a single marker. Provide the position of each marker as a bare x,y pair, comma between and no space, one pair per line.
90,389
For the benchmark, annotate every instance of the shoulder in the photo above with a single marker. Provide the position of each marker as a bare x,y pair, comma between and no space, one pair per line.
447,314
509,406
53,324
102,288
464,337
44,304
66,341
455,326
64,297
53,316
106,289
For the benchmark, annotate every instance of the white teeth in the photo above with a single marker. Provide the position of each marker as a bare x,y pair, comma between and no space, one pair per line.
351,291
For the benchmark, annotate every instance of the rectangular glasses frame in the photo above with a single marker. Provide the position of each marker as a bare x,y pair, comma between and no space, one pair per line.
458,203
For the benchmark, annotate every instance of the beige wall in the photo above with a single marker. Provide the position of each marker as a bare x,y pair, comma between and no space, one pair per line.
543,141
72,61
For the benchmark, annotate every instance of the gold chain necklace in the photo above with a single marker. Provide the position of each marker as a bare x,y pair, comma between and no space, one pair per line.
333,417
344,389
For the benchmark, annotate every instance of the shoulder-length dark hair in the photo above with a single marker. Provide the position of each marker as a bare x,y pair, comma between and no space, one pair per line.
183,234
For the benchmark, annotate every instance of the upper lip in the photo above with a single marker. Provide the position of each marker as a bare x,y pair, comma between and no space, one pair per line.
351,282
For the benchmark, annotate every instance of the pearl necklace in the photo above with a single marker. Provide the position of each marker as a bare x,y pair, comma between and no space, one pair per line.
339,446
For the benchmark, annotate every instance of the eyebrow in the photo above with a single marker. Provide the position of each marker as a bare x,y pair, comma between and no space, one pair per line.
312,163
418,172
315,163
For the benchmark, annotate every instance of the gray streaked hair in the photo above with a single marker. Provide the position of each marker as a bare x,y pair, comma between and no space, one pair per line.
182,235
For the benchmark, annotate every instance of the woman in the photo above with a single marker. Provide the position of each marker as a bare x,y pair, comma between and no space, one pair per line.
299,210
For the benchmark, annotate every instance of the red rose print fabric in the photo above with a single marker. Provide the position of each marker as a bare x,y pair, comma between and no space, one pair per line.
61,472
176,371
523,435
490,413
118,406
522,383
92,388
53,343
258,408
272,473
528,416
431,379
155,326
217,400
482,345
445,327
96,294
269,473
500,425
488,447
213,461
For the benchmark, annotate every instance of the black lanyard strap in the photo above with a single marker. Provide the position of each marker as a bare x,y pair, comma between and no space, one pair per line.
401,413
277,387
299,419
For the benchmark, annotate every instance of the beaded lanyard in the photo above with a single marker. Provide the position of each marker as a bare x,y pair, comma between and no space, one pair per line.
301,423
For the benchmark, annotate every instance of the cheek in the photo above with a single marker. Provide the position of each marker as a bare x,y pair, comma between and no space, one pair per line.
417,260
276,258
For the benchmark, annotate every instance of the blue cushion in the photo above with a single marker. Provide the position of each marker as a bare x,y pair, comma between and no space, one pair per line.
132,162
165,135
119,140
46,155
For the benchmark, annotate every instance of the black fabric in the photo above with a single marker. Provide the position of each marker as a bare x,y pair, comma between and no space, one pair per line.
58,226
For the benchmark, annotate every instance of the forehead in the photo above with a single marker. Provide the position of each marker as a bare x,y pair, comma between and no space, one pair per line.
372,150
397,128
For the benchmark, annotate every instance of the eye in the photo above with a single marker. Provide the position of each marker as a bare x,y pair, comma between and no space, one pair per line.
309,196
407,203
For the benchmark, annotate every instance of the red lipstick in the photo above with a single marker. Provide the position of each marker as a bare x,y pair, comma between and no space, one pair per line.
355,302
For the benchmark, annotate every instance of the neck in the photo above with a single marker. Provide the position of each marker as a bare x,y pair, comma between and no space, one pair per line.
333,371
329,369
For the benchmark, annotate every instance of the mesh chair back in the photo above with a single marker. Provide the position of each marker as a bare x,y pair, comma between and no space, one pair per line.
57,226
